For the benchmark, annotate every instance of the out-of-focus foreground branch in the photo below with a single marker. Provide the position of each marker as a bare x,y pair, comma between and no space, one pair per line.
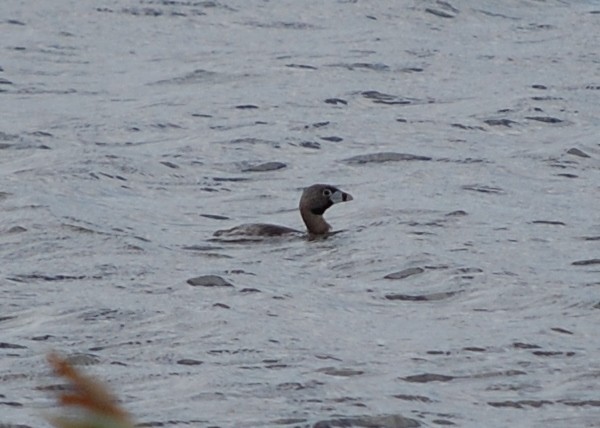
92,405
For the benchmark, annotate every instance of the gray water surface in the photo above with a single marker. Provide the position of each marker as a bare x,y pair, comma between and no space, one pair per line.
463,290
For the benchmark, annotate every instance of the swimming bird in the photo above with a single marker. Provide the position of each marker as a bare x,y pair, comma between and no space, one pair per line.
315,200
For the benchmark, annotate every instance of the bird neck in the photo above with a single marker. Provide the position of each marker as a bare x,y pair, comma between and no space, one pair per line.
315,223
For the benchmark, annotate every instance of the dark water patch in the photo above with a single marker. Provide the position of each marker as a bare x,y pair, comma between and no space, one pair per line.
239,272
553,353
214,217
284,25
310,145
267,166
591,238
423,233
342,372
549,222
41,134
6,345
317,125
547,98
246,107
209,281
327,357
250,290
388,99
377,66
503,373
50,278
229,179
562,164
443,422
580,403
500,122
54,388
587,262
457,213
428,377
567,175
14,230
13,376
275,366
577,152
521,404
233,351
166,125
253,141
467,127
474,349
412,70
421,297
543,87
107,175
174,422
435,223
13,22
193,77
155,12
466,161
289,421
439,13
561,330
333,139
38,91
436,267
436,352
43,338
189,362
405,273
387,421
82,359
384,157
7,318
191,3
349,400
203,115
221,305
336,101
106,314
522,345
468,272
301,66
419,398
170,164
4,81
10,404
483,189
544,119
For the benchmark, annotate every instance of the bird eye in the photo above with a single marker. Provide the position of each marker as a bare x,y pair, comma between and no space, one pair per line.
327,193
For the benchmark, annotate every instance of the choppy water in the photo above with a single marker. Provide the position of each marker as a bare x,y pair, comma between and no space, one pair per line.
127,129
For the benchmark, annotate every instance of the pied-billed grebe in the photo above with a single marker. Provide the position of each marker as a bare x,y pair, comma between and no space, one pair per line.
315,200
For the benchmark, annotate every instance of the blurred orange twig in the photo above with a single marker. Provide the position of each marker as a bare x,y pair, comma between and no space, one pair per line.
89,395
